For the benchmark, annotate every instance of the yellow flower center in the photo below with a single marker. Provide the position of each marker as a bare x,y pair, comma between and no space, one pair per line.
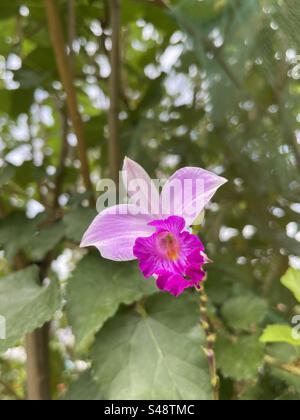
168,246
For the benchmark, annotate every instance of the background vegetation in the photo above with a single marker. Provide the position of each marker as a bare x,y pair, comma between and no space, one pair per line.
211,83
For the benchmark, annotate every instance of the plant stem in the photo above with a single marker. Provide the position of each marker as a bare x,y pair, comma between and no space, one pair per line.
71,30
66,75
114,91
60,173
290,368
211,338
37,347
38,371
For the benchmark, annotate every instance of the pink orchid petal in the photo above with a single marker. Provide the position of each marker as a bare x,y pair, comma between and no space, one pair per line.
173,283
132,171
196,188
173,224
115,231
169,251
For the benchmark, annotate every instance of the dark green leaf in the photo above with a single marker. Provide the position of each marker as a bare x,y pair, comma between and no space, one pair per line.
25,304
239,358
153,352
96,290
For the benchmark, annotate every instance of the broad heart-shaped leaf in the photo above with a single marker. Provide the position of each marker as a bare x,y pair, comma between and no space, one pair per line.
77,221
239,358
279,334
244,312
96,290
83,389
153,352
25,304
291,280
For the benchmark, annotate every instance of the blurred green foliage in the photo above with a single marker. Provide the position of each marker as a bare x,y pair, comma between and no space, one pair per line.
211,83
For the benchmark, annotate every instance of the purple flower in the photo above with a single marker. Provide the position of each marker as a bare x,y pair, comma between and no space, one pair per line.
155,230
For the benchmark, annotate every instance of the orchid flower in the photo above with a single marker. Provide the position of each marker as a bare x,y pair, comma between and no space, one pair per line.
157,232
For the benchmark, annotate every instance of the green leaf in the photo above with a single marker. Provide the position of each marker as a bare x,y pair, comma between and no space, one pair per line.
96,290
289,395
292,381
19,233
279,334
28,174
8,9
29,79
5,100
45,240
77,221
265,389
25,304
38,68
92,129
239,358
153,352
83,389
194,11
21,100
244,312
285,354
291,280
16,102
15,233
6,173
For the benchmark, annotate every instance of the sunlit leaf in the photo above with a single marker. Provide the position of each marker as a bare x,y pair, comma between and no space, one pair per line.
280,334
291,280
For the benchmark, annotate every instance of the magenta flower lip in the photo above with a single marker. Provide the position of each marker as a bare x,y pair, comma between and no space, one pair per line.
159,240
172,254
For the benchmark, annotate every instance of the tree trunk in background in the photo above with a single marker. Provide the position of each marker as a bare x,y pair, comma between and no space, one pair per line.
114,91
38,371
65,71
37,348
